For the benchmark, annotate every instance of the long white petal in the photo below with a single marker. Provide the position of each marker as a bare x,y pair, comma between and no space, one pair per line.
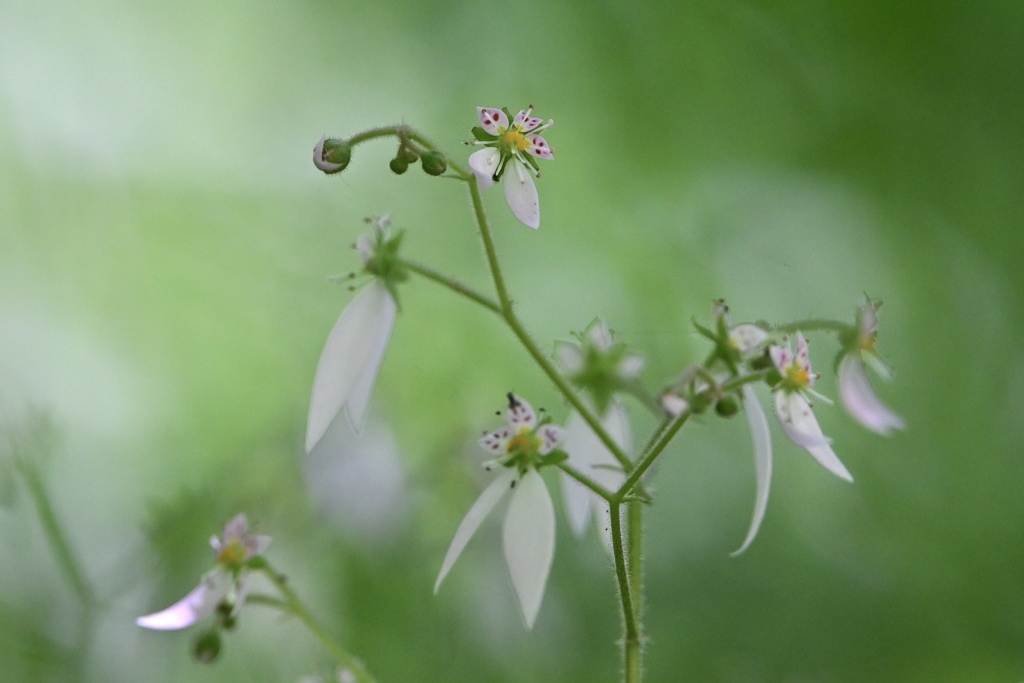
762,439
529,540
494,492
350,360
197,605
861,401
803,423
521,193
578,444
484,163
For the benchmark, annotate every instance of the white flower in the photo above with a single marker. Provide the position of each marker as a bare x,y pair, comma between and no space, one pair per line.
762,439
794,409
507,145
225,582
855,391
355,347
588,455
528,533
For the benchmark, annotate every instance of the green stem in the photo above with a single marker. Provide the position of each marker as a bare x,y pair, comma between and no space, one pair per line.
586,481
294,606
652,454
631,639
452,284
635,531
55,534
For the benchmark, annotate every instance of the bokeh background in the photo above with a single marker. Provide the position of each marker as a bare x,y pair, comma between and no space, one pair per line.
165,245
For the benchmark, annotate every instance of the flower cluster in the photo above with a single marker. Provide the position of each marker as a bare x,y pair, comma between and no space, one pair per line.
509,155
528,535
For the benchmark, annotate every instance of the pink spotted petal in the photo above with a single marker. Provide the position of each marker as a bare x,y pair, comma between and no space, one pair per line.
550,436
525,122
781,357
539,147
803,355
520,414
496,441
493,121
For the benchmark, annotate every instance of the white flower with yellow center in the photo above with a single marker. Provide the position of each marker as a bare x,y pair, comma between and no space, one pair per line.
528,533
508,155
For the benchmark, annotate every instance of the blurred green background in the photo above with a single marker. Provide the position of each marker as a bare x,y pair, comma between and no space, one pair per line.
165,245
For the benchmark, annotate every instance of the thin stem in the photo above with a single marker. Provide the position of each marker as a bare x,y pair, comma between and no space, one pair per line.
651,455
451,284
586,481
293,605
813,324
635,531
631,639
55,534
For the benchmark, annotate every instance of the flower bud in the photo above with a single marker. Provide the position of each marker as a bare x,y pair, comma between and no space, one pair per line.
399,165
727,407
407,155
434,163
206,647
332,155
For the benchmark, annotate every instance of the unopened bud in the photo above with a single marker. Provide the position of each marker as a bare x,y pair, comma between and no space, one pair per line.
332,155
399,165
727,407
206,649
434,163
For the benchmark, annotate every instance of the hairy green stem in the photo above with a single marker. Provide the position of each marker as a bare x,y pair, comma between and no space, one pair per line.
452,284
291,604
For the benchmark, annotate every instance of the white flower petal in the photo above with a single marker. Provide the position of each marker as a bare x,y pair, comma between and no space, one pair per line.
569,356
520,414
197,605
521,193
350,360
529,540
802,427
747,337
631,366
674,404
599,335
860,400
484,163
493,120
318,158
762,439
494,492
550,436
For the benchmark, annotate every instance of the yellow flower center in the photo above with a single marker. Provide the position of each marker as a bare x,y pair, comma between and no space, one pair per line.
798,376
523,443
233,554
866,342
514,140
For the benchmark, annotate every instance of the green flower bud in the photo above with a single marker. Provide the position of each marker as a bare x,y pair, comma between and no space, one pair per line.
399,165
407,155
434,163
332,155
206,647
727,407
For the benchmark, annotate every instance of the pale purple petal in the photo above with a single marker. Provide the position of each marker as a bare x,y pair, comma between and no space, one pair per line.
782,358
802,427
539,147
196,606
525,122
528,537
493,120
860,400
521,194
484,163
494,492
761,436
350,360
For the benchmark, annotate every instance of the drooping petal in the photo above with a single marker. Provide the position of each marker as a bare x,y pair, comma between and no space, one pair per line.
196,606
539,147
528,537
494,492
484,163
350,360
762,439
492,120
521,194
801,426
860,400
